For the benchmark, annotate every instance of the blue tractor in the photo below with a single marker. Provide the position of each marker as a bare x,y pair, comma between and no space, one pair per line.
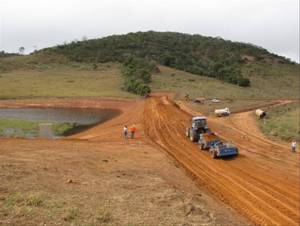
207,140
199,126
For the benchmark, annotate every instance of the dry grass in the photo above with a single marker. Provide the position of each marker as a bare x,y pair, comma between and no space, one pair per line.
265,85
64,81
282,122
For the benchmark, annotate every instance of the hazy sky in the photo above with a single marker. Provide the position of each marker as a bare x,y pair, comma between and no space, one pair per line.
272,24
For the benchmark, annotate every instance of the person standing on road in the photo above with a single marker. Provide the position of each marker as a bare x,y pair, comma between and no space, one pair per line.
294,144
132,131
125,131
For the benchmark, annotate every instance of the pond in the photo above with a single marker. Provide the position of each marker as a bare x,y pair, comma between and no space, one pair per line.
64,121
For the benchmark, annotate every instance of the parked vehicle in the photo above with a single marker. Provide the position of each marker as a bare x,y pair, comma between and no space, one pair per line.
260,113
222,112
215,100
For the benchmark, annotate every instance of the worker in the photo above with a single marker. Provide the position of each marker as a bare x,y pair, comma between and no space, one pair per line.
132,131
125,131
294,144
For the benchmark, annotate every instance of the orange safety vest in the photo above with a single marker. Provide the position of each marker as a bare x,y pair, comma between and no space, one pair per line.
132,129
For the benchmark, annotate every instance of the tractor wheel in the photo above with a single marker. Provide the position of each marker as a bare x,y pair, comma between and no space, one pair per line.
187,132
202,146
213,154
193,136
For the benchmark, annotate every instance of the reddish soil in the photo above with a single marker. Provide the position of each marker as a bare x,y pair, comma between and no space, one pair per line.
262,183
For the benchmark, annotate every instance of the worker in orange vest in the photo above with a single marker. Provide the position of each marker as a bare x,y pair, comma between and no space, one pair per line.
132,131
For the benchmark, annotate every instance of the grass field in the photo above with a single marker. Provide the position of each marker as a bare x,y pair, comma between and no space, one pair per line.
54,76
22,128
263,86
263,89
283,122
63,81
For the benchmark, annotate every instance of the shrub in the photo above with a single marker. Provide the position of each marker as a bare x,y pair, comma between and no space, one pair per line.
137,74
244,82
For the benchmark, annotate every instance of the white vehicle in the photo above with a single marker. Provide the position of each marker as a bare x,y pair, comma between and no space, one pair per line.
222,112
215,100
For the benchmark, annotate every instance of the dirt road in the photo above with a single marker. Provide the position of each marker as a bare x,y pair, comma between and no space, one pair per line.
262,183
99,178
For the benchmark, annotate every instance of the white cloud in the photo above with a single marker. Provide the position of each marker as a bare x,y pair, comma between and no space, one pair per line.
273,24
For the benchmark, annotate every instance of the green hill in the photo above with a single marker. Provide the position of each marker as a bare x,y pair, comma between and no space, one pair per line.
206,60
212,57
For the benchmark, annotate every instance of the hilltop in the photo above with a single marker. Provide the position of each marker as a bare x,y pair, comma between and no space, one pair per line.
197,54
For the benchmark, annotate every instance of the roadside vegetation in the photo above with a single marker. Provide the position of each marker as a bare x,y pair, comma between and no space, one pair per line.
137,75
23,128
282,122
5,54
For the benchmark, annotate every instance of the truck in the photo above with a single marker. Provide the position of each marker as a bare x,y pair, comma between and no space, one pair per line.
222,112
198,126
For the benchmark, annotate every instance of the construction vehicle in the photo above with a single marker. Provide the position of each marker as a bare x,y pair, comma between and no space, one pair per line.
207,140
199,126
217,147
222,149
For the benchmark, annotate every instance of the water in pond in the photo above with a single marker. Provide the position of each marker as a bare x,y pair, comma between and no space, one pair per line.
82,118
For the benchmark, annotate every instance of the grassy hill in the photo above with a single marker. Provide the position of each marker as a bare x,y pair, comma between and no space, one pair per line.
93,68
207,56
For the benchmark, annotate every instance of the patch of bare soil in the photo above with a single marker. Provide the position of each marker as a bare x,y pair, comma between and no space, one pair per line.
99,183
99,178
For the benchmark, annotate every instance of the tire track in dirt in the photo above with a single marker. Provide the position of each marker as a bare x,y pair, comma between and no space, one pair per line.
252,192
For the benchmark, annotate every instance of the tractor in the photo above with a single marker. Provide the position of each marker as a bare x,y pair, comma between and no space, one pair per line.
198,126
207,140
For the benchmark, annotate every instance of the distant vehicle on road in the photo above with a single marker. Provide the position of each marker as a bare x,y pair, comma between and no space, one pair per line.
222,112
215,100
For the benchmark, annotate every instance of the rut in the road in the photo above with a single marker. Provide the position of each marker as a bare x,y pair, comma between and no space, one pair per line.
245,185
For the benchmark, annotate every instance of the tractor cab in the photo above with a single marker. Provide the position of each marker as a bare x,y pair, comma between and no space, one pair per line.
198,126
199,122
